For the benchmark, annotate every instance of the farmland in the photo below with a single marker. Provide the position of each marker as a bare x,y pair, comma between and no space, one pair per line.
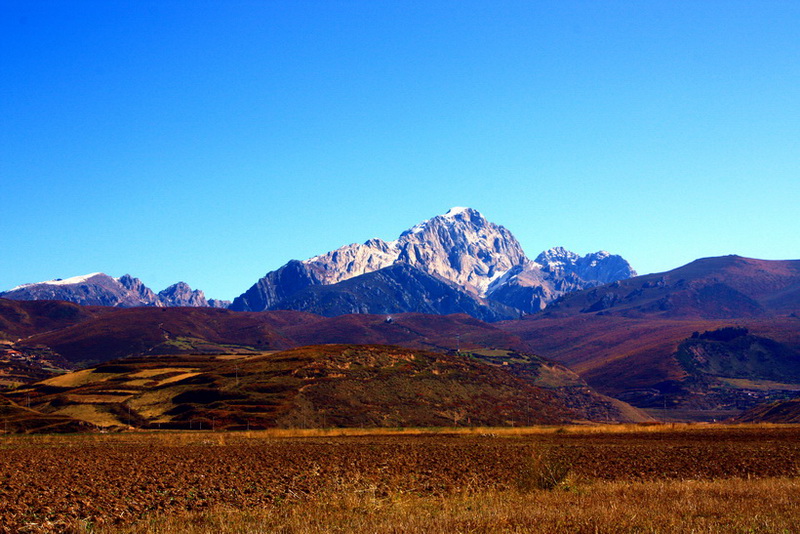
632,477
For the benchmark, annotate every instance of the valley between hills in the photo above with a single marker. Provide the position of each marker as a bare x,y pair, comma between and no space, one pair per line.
449,325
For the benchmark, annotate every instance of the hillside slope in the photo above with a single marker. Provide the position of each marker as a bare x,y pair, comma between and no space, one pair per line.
19,319
727,287
626,338
329,385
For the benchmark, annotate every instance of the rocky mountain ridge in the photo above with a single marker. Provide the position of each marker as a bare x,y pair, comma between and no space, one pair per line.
474,257
100,289
458,262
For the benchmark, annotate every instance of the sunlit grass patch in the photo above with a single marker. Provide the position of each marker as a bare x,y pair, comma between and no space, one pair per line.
757,506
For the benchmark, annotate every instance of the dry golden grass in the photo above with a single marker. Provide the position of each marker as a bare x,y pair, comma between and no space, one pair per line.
177,378
616,478
165,437
98,399
150,373
153,403
766,385
91,413
77,378
733,505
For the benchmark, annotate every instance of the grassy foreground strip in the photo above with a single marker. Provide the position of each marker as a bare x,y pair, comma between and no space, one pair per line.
700,478
732,505
182,437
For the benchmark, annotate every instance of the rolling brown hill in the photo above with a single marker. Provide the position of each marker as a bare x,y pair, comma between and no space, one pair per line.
19,319
327,385
182,344
779,412
130,331
19,419
117,333
624,338
636,360
20,365
434,332
727,287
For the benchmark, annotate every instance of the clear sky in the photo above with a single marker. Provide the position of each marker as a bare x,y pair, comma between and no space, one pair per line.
211,142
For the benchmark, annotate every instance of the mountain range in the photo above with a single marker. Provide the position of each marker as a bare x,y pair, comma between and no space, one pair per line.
99,289
660,342
458,262
707,340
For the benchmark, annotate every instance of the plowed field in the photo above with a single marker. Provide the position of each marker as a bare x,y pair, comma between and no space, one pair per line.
48,483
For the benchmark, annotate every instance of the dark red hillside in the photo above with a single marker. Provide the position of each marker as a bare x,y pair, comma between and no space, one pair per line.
710,288
438,332
117,333
624,338
779,412
122,332
19,319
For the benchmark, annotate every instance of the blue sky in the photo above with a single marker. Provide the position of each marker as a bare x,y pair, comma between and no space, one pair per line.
211,142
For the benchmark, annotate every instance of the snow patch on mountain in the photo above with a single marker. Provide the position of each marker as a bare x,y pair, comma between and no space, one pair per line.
455,211
100,289
60,282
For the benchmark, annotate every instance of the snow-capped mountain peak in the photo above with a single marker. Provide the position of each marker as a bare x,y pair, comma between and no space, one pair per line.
61,281
458,210
100,289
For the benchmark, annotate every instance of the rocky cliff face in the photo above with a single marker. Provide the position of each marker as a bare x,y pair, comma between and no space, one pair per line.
463,247
181,294
556,272
350,261
395,289
99,289
598,267
460,248
138,293
276,286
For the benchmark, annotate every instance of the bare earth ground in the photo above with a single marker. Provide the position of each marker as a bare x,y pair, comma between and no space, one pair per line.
666,478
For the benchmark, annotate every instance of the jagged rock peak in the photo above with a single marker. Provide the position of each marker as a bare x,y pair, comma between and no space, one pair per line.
463,247
352,260
556,258
99,289
597,267
459,210
460,246
453,216
138,291
181,294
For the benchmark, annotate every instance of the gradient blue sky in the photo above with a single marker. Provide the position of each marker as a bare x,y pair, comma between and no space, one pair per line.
211,142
